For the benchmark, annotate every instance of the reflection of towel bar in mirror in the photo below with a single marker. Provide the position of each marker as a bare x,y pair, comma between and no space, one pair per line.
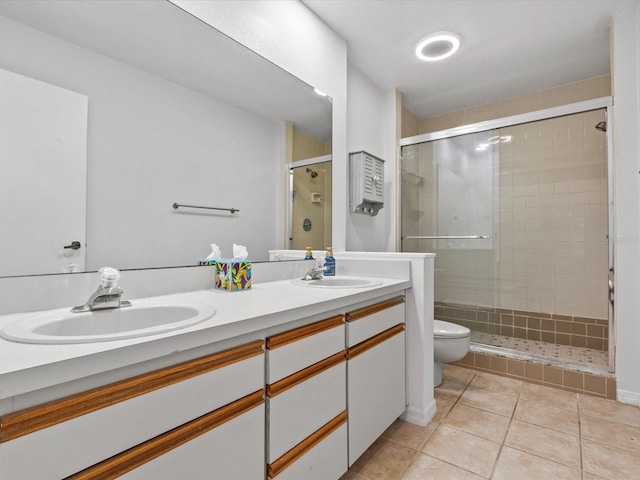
178,205
450,237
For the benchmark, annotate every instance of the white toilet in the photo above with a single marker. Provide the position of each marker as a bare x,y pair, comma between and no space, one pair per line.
450,343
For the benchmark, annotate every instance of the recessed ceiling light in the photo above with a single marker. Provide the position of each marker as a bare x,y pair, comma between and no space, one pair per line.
437,46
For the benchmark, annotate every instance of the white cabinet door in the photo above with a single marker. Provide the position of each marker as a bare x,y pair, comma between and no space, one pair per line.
376,390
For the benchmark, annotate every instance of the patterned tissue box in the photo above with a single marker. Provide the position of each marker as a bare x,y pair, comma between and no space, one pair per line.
233,276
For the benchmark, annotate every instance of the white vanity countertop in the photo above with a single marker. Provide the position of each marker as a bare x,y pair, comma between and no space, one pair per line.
28,367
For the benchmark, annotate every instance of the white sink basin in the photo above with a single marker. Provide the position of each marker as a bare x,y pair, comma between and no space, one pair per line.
141,319
338,282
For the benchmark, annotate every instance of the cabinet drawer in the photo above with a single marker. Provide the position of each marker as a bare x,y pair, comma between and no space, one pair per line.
322,456
233,450
89,427
371,320
296,349
296,411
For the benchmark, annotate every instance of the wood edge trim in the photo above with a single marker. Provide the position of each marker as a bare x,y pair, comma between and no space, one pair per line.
140,454
290,336
29,420
300,376
375,308
274,469
373,341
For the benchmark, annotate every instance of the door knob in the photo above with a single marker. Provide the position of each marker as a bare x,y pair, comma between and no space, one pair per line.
75,245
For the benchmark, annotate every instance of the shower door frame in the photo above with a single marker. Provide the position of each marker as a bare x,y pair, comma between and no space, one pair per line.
544,114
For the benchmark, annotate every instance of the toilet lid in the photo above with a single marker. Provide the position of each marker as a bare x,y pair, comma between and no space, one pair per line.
449,330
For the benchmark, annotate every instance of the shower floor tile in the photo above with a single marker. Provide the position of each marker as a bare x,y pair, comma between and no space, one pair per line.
561,353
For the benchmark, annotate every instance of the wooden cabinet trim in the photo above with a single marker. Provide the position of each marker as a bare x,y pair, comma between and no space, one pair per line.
140,454
275,468
296,334
375,308
302,375
17,424
373,341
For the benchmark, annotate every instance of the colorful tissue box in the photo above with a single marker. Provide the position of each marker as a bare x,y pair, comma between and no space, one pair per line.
233,276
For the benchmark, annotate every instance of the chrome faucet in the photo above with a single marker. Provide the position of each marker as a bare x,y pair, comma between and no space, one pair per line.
108,294
314,273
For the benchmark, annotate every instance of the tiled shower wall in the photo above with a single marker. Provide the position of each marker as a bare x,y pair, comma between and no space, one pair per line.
547,265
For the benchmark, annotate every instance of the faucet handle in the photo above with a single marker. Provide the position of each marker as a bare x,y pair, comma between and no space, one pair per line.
109,277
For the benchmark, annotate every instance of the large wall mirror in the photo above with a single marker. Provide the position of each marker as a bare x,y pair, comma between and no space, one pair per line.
174,112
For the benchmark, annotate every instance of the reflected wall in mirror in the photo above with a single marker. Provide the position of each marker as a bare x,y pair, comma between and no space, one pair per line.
177,112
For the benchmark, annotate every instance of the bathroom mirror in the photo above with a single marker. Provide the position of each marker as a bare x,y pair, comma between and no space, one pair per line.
177,113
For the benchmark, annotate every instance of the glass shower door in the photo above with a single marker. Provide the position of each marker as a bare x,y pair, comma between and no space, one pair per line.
449,208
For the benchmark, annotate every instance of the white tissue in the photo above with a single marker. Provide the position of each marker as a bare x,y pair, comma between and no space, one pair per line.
239,253
215,251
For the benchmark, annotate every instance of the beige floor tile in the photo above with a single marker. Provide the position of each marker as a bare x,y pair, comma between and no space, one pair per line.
610,409
497,383
442,409
499,403
514,465
478,422
384,460
544,442
591,476
449,390
408,434
557,398
609,463
618,435
350,475
458,374
544,414
425,467
464,450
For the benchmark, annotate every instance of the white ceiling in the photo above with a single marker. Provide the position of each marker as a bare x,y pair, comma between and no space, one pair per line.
507,47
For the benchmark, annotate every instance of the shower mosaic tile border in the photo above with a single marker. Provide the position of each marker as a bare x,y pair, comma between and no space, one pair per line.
581,332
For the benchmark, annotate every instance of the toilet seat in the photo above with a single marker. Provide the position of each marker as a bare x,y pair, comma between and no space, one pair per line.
442,329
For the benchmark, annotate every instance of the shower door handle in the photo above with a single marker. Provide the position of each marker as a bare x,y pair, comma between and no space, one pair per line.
612,285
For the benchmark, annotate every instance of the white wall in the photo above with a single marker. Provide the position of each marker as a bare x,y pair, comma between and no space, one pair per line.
626,124
152,143
371,127
287,33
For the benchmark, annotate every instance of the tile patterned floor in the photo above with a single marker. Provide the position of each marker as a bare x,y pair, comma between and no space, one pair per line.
563,353
491,427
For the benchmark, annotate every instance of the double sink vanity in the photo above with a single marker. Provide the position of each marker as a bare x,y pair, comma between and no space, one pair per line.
287,380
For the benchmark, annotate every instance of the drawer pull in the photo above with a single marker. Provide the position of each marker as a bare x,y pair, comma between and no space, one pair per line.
371,309
17,424
145,452
373,341
299,377
296,334
276,468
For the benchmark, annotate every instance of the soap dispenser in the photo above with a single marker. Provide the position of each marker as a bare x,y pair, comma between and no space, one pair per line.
308,254
330,263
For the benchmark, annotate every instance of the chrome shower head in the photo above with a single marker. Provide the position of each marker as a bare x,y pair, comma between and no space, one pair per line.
313,173
602,126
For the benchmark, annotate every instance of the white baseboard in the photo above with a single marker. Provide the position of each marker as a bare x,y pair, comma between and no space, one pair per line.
630,398
420,417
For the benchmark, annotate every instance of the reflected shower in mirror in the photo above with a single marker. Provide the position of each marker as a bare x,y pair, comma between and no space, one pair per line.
177,112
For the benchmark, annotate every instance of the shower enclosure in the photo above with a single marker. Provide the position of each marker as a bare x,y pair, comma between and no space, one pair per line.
310,203
517,212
